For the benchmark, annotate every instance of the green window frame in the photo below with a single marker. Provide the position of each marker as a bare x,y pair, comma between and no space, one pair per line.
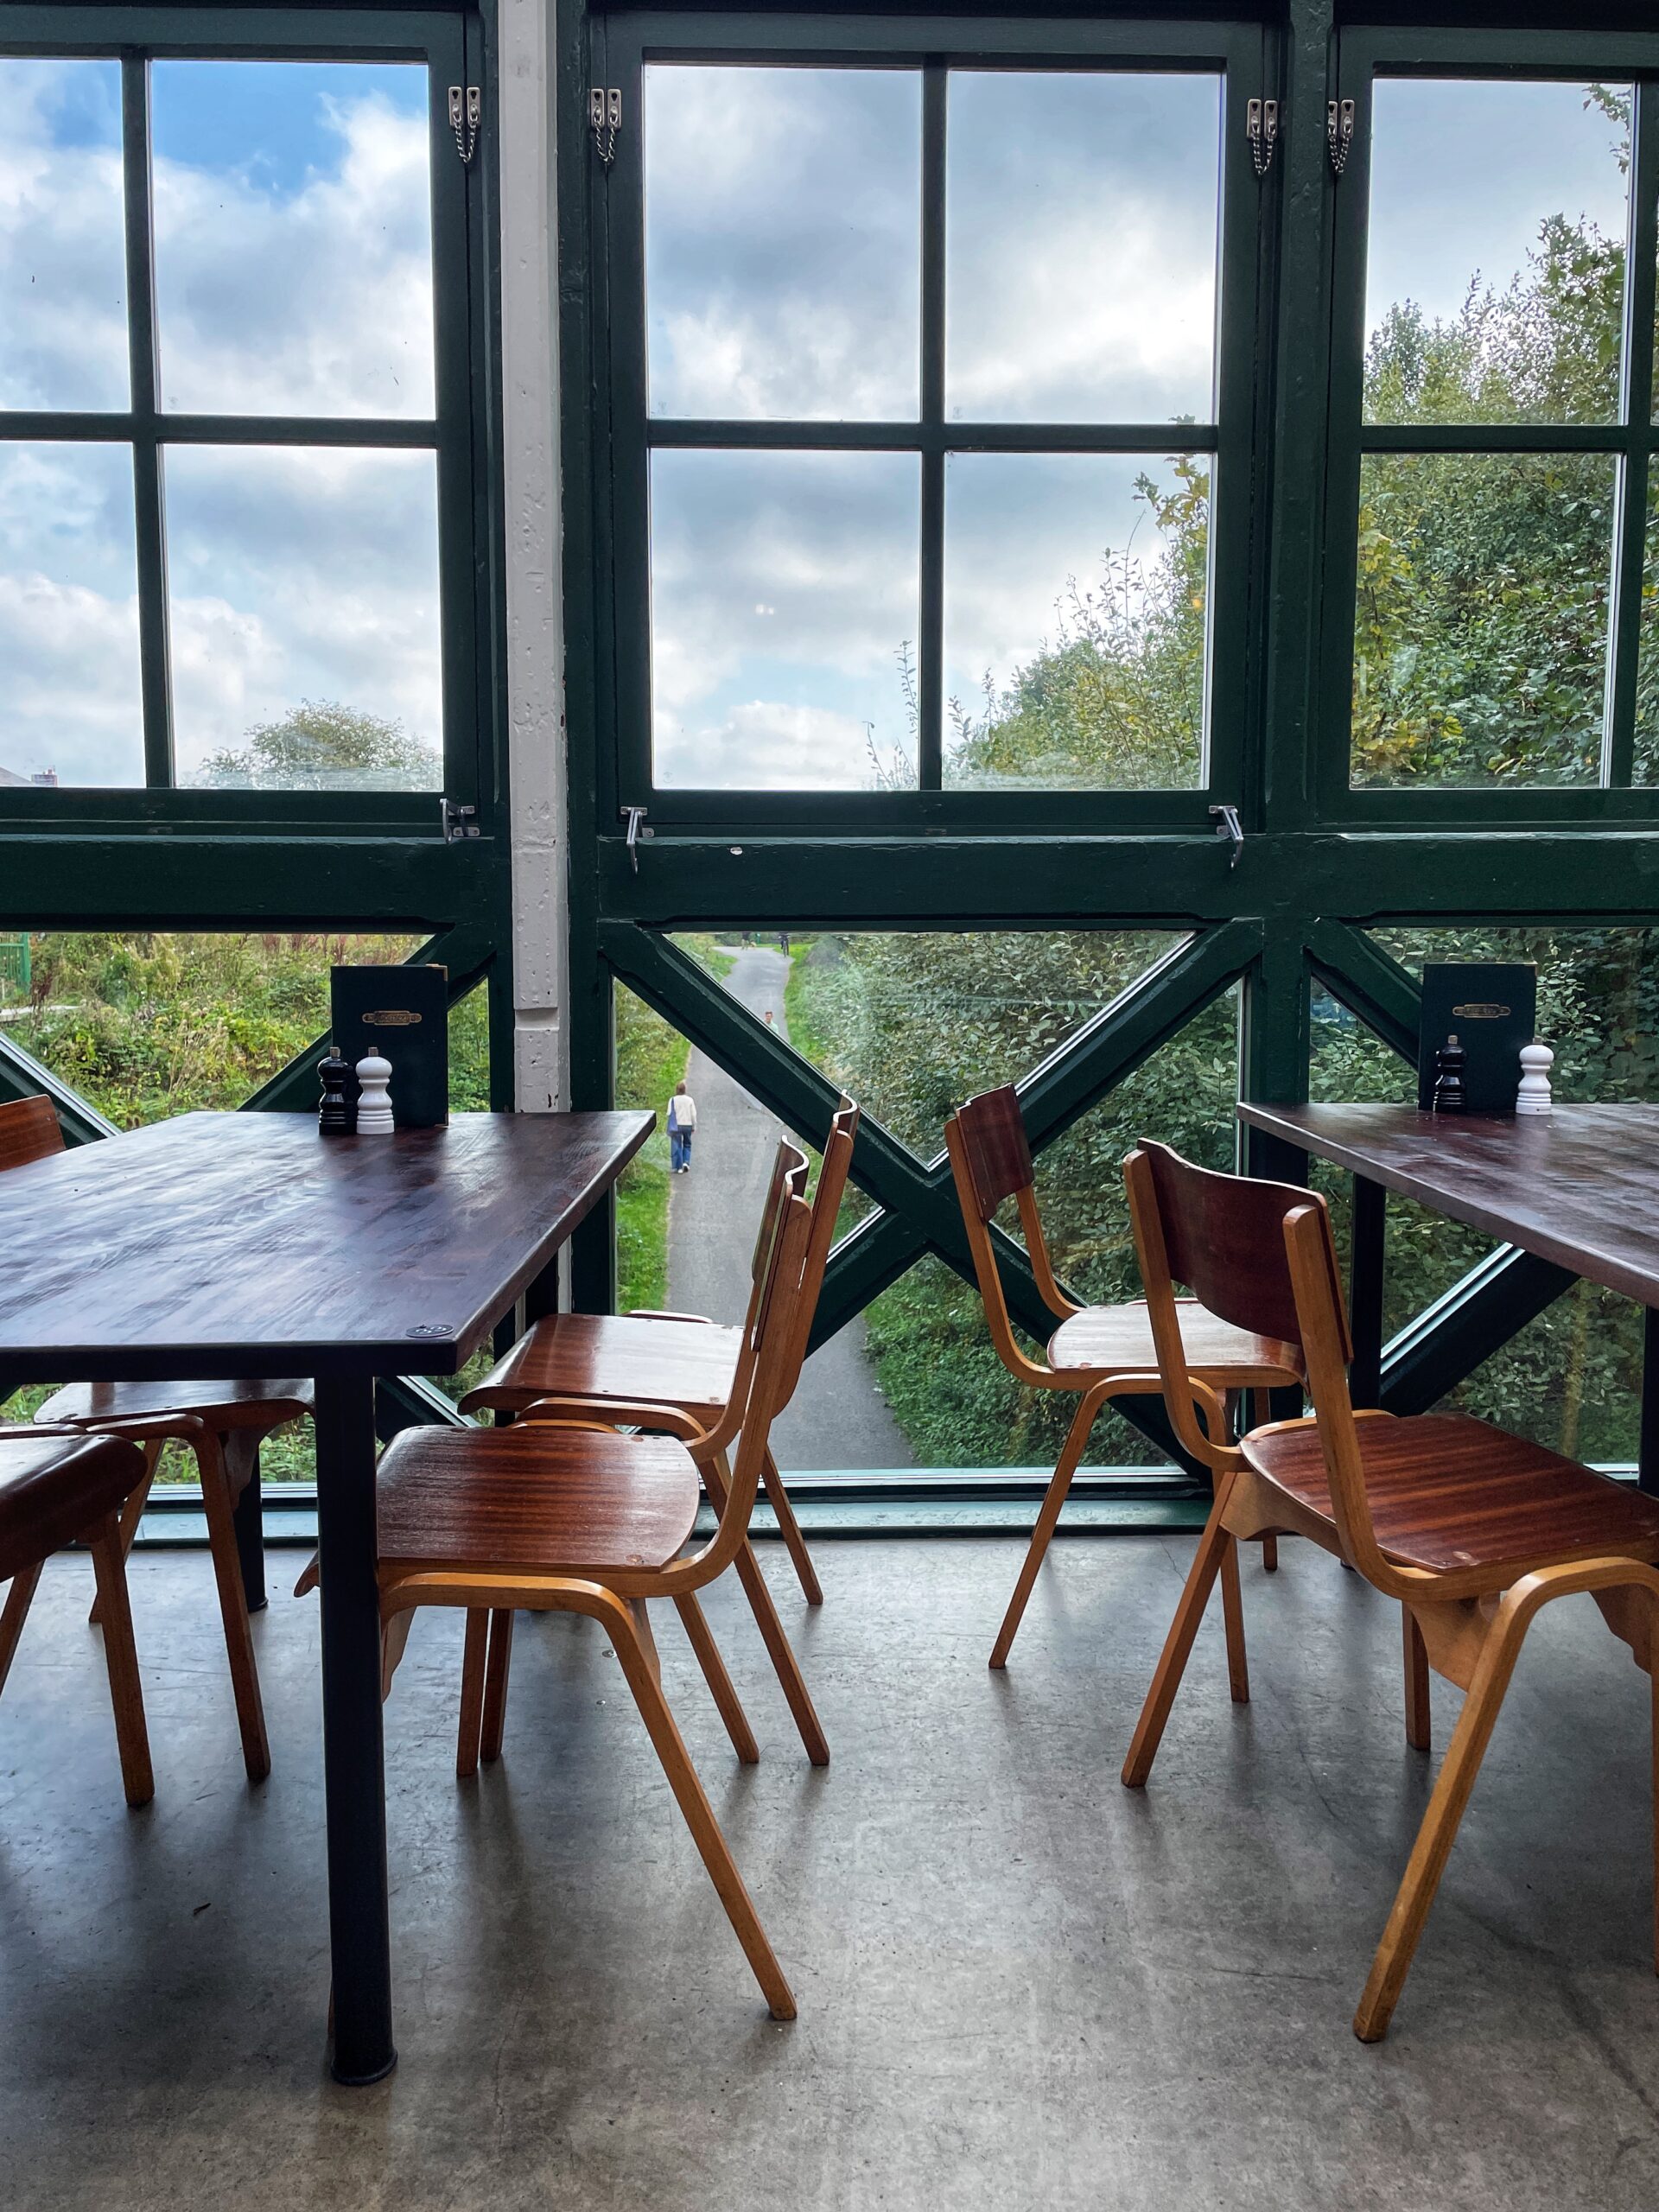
1364,57
449,46
627,435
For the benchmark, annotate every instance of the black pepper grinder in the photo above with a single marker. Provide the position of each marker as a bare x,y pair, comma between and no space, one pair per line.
1449,1095
333,1117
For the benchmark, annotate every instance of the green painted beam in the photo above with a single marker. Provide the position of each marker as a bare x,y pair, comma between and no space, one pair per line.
22,1076
1369,981
1476,1317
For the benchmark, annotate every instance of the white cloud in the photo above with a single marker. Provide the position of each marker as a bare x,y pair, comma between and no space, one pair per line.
766,745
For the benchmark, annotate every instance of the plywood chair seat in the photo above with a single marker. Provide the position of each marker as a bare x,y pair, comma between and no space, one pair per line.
534,1499
689,1364
1449,1494
260,1403
1111,1340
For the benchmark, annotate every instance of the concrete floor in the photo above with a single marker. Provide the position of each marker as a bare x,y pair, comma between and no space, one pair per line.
1019,1985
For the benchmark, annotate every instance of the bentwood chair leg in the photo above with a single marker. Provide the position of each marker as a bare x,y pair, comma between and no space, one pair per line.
121,1657
472,1693
699,1813
1417,1705
1213,1547
790,1528
1439,1830
133,1511
233,1605
1053,1498
1270,1555
1232,1618
495,1686
700,1638
716,1478
18,1600
1261,1412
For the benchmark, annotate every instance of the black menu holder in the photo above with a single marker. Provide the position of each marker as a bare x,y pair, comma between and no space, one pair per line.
402,1014
1491,1008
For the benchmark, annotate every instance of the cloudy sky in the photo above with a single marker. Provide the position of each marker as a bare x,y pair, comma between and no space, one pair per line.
293,272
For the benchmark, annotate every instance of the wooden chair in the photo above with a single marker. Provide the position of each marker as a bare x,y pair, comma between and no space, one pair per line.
59,1487
1473,1531
686,1361
221,1424
1100,1351
565,1514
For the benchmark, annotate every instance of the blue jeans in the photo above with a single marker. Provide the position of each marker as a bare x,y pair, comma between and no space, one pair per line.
679,1149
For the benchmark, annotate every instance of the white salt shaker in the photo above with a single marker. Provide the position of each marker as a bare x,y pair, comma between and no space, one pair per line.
374,1100
1533,1096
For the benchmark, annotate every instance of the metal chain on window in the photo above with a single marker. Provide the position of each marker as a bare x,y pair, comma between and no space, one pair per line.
465,113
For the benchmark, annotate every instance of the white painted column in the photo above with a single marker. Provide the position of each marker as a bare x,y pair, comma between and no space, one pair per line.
536,728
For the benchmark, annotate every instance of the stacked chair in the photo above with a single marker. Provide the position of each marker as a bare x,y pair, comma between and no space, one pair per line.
1472,1530
1099,1352
558,1511
221,1424
614,1364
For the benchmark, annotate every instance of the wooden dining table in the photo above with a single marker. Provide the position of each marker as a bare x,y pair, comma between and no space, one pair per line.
216,1246
1578,1188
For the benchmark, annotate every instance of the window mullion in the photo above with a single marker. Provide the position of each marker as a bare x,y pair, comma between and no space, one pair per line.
929,683
1630,556
153,645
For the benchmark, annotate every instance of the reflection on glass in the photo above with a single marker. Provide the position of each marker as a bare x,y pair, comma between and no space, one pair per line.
293,238
1513,312
783,621
302,587
70,708
63,282
1076,619
1480,644
783,242
1081,227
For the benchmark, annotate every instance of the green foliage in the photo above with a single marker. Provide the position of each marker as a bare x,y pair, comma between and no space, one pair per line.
325,746
651,1059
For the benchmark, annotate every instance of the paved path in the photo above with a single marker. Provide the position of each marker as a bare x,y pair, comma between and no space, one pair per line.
838,1418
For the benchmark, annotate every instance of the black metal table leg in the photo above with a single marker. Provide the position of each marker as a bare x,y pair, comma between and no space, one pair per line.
1647,1465
353,1757
1365,1292
248,1518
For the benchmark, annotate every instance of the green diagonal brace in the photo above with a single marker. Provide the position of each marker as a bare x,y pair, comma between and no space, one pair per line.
22,1076
1368,982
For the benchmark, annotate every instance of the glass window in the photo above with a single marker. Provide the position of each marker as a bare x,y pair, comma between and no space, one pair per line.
302,585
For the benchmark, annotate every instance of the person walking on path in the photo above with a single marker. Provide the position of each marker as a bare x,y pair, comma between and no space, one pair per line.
681,1121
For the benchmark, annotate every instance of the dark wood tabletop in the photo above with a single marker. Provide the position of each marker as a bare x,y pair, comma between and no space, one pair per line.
218,1244
1579,1186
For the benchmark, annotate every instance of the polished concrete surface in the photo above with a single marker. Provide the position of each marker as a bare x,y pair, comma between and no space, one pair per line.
1019,1985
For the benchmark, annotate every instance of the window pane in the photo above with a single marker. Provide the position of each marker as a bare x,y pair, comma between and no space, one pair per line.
1513,312
1082,229
293,238
1480,645
1076,598
63,280
303,587
70,708
783,619
783,242
1646,767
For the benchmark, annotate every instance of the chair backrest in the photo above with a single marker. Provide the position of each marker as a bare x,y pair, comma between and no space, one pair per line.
1224,1236
990,1159
29,1130
769,1341
826,1206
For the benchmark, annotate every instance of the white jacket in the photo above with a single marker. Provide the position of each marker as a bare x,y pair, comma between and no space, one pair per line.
683,1112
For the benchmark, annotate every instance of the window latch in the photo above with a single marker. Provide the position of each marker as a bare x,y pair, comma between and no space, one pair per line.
465,113
1339,132
635,816
605,120
1261,128
458,821
1228,827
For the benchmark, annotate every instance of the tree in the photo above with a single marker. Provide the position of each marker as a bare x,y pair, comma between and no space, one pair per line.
324,747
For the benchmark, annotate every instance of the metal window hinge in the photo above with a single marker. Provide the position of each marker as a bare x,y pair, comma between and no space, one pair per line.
634,816
605,119
1228,827
1338,132
458,821
1261,128
465,113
